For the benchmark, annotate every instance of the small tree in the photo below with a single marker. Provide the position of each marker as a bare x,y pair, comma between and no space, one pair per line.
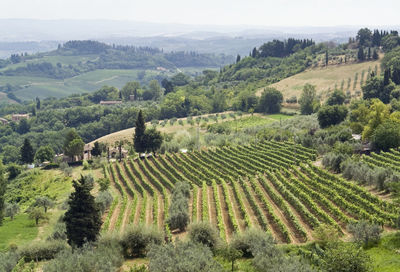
96,151
270,101
152,140
346,257
11,210
26,152
45,202
138,138
231,254
37,214
44,153
204,233
308,100
82,219
73,144
337,98
365,233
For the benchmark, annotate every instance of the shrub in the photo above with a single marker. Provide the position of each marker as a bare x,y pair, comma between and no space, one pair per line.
204,233
86,259
13,170
136,240
246,240
346,257
59,231
42,250
365,233
104,200
179,208
8,260
182,257
326,234
331,115
333,161
86,165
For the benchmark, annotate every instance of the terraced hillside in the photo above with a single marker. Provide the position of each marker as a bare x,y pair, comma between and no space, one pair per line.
271,185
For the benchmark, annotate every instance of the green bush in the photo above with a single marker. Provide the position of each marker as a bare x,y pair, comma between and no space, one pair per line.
182,257
346,257
87,259
204,233
42,250
136,240
246,240
8,260
364,233
104,200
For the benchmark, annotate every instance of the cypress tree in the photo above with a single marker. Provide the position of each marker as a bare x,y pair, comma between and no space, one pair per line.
237,58
326,58
396,76
360,54
375,55
138,139
3,185
82,219
27,154
369,53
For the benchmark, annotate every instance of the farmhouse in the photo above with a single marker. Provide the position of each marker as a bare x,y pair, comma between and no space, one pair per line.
110,102
18,117
3,121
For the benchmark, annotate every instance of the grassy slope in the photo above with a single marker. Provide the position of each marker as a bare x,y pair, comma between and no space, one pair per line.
386,256
325,79
20,231
242,122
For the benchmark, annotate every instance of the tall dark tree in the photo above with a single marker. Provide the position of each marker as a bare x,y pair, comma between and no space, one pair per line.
96,151
326,58
360,54
152,140
396,76
375,55
167,85
254,53
26,152
82,218
37,103
369,53
138,138
270,101
3,185
237,58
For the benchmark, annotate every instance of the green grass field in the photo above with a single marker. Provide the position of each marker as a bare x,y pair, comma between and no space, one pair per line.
386,256
19,231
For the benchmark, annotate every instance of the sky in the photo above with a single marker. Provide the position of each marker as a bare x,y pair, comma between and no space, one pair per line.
214,12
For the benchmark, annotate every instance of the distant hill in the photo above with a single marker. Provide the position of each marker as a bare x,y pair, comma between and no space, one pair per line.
85,66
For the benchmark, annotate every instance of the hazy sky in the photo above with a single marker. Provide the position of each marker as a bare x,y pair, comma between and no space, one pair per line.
224,12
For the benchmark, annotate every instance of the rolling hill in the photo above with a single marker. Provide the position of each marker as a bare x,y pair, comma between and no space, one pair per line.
325,79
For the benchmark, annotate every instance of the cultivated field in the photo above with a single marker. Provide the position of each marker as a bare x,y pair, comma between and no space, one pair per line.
326,79
271,185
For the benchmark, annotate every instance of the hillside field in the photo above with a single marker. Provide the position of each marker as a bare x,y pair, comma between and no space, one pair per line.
271,185
325,79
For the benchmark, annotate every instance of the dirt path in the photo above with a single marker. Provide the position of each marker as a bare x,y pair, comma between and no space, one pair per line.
249,210
301,220
125,219
225,214
277,211
236,210
212,213
138,209
114,217
160,218
272,227
149,211
199,202
191,207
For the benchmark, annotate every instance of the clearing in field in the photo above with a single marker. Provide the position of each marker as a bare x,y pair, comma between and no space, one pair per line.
270,185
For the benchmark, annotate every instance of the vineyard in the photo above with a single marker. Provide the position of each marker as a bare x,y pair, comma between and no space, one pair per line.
384,159
271,185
